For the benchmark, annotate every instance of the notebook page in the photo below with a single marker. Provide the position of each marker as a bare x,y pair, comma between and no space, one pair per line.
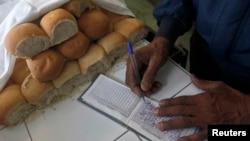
111,97
116,100
144,121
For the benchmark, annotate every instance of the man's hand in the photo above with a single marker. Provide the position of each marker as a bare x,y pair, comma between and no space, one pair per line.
218,104
149,60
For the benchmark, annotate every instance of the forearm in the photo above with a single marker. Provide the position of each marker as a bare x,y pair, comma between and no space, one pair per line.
174,17
169,28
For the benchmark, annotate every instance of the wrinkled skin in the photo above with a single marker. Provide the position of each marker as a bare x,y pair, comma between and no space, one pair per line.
217,104
149,60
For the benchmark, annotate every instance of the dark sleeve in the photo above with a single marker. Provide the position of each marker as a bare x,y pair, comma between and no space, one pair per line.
174,18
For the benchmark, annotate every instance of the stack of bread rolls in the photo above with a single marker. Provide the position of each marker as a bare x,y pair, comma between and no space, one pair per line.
68,48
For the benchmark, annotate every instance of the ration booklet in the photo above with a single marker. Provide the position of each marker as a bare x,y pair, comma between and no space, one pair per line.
119,103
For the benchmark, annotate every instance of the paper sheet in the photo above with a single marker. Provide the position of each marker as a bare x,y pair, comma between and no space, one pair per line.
116,100
19,11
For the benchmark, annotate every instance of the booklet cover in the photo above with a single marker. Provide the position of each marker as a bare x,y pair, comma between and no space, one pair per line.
119,103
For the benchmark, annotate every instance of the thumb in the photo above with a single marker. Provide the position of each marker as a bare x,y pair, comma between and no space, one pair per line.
203,84
148,77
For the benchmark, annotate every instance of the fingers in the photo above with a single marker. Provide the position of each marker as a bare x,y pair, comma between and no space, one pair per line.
157,59
181,100
202,135
175,111
131,81
148,85
154,86
147,80
137,90
179,123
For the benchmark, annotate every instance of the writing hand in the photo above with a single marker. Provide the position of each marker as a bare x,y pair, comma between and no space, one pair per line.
149,60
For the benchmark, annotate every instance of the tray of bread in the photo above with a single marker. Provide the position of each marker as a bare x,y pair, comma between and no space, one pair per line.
61,50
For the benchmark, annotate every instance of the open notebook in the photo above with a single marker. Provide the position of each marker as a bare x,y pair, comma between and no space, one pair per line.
119,103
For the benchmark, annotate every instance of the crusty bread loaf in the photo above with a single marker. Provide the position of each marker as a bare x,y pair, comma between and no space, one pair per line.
77,7
9,82
67,81
114,45
114,17
47,65
70,69
26,40
95,61
40,94
72,58
136,30
94,24
74,47
60,25
20,71
13,107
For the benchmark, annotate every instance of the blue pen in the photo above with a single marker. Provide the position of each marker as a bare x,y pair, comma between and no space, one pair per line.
136,71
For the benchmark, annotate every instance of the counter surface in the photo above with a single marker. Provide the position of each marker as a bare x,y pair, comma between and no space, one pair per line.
70,120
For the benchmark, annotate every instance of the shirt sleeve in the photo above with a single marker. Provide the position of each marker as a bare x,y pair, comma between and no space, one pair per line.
174,18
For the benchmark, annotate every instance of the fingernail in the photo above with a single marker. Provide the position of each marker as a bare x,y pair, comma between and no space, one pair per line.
161,102
156,111
160,126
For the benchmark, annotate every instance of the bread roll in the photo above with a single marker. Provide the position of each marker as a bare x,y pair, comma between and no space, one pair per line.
75,47
60,25
132,28
94,24
77,7
67,81
95,61
20,71
26,40
114,45
37,93
13,107
46,65
114,17
9,82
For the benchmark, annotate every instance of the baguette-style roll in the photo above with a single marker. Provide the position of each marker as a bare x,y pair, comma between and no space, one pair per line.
13,106
68,79
114,45
26,40
95,61
40,94
136,30
75,47
20,71
47,65
77,7
94,24
60,25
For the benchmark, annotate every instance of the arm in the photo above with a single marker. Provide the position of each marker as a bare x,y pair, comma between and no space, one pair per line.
174,17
